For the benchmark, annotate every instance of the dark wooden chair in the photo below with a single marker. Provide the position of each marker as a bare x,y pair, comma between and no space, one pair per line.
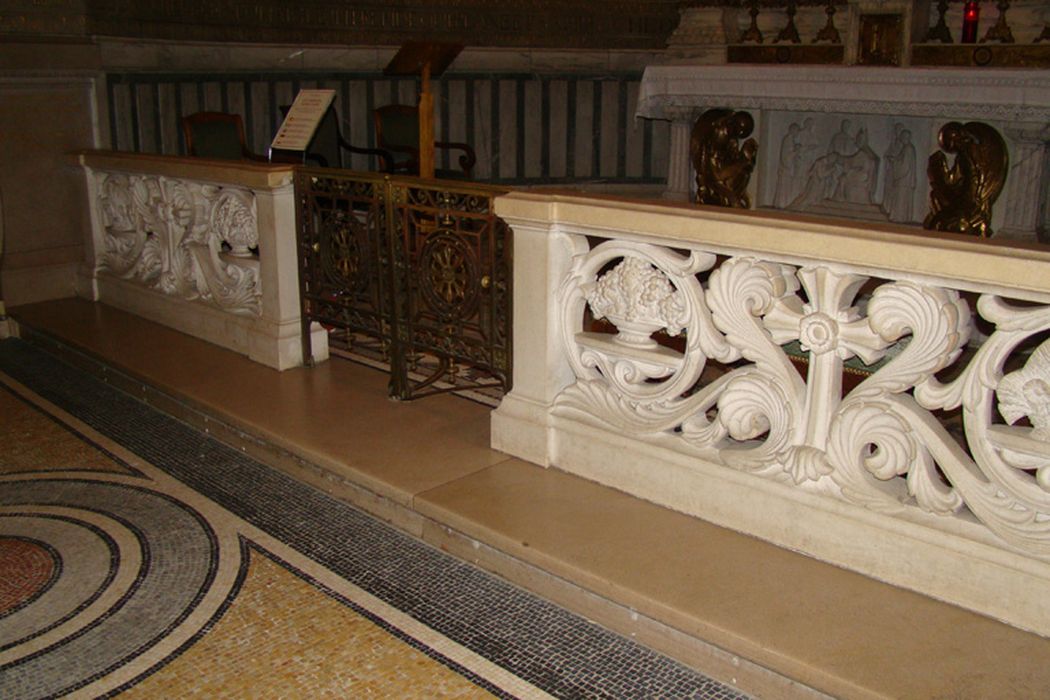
4,330
326,149
216,135
397,131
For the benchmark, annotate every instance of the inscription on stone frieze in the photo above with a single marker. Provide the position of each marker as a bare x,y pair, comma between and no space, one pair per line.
525,24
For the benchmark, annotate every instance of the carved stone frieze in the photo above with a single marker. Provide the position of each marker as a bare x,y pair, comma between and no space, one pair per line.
181,238
732,393
986,95
525,23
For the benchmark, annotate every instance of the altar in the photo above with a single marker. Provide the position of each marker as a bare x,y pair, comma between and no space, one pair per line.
853,141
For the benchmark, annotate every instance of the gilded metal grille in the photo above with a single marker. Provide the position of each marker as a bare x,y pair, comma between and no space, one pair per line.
341,240
416,272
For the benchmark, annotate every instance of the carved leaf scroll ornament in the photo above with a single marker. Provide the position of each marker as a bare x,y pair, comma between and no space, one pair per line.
121,208
168,234
890,444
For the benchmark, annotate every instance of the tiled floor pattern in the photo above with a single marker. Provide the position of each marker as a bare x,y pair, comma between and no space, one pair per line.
29,567
187,569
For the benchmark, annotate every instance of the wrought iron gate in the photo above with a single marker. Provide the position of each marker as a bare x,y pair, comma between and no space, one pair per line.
414,273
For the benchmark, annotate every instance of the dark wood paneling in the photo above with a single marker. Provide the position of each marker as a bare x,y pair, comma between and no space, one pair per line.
525,128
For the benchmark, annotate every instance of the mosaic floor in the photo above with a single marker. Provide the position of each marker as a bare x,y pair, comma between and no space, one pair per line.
142,558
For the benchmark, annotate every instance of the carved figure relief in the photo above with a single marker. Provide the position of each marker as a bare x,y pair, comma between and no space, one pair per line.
820,183
847,166
723,165
898,184
181,238
794,150
857,181
962,193
847,174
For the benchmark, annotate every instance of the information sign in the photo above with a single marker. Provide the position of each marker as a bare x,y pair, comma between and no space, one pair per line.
299,125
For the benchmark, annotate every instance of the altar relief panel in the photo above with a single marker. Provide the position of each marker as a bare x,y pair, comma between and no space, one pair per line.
847,165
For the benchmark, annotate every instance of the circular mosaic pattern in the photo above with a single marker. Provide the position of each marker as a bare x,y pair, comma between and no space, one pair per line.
106,570
28,567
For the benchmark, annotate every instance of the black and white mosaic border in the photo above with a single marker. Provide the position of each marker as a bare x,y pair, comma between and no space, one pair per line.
555,650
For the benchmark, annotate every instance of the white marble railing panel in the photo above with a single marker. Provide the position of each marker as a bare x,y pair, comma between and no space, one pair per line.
167,234
202,246
941,446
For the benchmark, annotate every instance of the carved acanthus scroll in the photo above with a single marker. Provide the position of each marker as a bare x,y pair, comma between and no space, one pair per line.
182,238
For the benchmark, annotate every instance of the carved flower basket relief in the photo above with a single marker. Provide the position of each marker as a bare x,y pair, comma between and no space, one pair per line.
1026,393
639,300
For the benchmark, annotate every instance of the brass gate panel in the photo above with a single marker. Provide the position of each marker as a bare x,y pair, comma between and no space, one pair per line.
341,233
420,269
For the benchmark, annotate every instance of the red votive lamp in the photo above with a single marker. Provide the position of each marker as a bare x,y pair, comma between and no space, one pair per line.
971,14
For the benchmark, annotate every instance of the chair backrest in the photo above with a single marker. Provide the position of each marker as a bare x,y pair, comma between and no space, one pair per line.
325,142
397,130
215,135
328,148
4,331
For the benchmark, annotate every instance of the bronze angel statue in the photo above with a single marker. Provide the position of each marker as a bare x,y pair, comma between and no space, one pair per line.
962,194
723,166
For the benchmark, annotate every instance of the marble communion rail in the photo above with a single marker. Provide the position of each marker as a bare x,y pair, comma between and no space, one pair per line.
871,397
205,247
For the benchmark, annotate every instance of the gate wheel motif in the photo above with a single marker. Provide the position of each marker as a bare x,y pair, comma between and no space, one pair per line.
345,259
449,281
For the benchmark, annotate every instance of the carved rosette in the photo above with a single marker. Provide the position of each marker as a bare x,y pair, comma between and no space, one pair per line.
181,238
889,443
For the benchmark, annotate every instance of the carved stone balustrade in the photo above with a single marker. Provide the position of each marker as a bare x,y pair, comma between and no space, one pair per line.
205,247
876,398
